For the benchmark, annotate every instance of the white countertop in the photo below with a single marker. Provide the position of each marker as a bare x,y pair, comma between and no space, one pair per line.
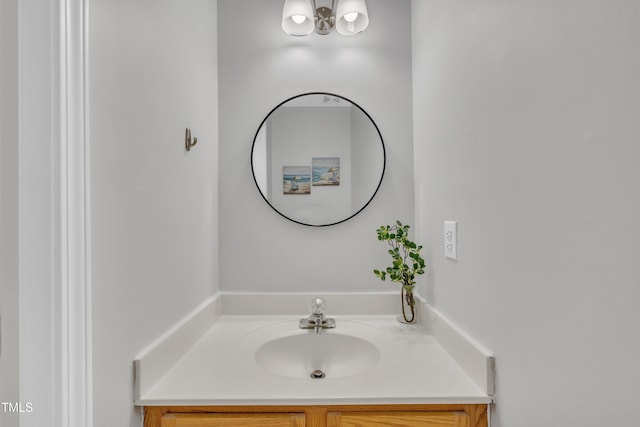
217,371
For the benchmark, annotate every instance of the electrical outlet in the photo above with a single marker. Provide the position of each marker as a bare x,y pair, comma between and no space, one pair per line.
451,239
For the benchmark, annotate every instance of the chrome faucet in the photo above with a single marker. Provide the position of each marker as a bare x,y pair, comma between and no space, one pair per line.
317,320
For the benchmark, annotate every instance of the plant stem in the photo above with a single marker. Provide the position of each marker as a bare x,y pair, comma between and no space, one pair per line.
410,300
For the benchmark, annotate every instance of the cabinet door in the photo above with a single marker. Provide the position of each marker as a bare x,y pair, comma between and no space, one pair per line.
233,420
397,419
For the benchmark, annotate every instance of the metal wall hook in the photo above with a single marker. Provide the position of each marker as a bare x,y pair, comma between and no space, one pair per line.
188,142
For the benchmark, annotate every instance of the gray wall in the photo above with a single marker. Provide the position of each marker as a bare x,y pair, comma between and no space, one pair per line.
526,133
153,72
9,354
258,69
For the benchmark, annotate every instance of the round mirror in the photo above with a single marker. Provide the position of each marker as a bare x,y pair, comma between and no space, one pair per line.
318,159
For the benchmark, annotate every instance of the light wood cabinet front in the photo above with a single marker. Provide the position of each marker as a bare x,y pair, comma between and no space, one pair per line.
397,419
393,415
233,420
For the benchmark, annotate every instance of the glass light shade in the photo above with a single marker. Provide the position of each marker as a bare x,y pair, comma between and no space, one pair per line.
297,9
347,9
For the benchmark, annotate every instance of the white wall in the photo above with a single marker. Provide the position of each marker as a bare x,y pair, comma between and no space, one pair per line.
9,341
526,133
153,72
261,67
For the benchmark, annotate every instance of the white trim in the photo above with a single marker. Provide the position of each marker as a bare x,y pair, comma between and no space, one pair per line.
39,206
76,292
54,293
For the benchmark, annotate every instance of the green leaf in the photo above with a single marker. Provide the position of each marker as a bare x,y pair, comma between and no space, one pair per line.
402,250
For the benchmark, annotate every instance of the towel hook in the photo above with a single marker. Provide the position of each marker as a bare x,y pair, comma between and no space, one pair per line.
188,142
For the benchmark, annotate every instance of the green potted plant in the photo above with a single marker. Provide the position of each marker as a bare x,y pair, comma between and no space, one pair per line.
407,264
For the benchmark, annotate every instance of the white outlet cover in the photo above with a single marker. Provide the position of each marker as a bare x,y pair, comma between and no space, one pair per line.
451,239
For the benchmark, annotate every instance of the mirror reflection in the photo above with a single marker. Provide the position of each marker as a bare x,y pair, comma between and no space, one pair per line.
318,159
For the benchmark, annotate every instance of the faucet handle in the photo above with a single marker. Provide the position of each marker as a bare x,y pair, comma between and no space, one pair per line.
318,305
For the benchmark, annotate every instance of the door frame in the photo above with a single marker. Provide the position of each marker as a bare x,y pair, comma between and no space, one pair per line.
54,219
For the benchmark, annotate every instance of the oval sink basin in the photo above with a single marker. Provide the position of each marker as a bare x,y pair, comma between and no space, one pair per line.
335,354
351,348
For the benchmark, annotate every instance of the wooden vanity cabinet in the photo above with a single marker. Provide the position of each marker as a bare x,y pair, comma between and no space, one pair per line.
396,419
474,415
233,420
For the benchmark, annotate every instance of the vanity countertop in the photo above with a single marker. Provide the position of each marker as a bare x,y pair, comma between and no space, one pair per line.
217,370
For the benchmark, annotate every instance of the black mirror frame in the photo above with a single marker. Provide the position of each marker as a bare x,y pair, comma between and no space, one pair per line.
384,158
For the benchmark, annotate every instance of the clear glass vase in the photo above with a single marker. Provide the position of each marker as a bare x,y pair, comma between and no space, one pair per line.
409,312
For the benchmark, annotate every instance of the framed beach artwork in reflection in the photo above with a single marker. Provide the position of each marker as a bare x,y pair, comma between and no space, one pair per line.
326,170
296,180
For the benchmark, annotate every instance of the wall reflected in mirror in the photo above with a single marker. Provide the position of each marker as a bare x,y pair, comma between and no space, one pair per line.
323,149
